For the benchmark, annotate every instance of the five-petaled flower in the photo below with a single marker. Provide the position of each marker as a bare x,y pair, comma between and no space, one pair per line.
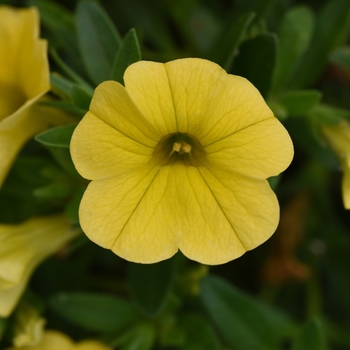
179,159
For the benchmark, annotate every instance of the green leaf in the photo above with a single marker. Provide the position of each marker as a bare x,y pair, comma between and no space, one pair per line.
60,85
151,285
59,26
323,113
64,159
98,40
69,71
72,208
57,137
57,190
65,106
243,322
294,37
140,337
261,7
200,333
95,312
310,337
80,97
341,57
129,52
256,61
224,53
297,102
330,24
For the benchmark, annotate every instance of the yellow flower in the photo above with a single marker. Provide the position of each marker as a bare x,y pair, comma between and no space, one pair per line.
179,160
28,325
54,340
338,136
22,248
24,78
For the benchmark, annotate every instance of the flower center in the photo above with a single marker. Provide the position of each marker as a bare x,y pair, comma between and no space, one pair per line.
179,147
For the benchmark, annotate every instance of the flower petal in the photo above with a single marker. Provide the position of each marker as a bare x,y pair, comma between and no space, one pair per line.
99,150
148,85
145,216
24,64
209,103
22,248
261,150
112,104
131,215
21,126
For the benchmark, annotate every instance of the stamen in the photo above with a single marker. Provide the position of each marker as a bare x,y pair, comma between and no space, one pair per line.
182,147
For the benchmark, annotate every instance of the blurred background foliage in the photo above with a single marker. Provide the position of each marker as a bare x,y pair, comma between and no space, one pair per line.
293,292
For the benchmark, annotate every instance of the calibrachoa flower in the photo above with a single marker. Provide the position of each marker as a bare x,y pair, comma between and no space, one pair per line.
178,160
338,136
54,340
24,78
23,247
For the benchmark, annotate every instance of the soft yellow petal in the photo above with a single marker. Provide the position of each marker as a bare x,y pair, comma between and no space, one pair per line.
113,105
105,151
209,103
17,129
148,85
261,150
10,296
23,247
144,217
24,69
129,217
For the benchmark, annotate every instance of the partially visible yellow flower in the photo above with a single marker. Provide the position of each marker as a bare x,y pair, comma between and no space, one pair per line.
28,325
338,136
179,160
23,247
54,340
24,78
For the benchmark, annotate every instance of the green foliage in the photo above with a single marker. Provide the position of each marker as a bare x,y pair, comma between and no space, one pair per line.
226,49
242,321
256,61
57,137
310,337
330,25
98,40
95,312
128,53
151,285
298,23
